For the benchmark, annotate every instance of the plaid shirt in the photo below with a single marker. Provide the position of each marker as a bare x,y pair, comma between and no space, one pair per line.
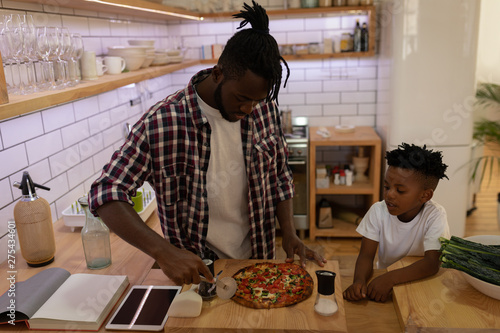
170,148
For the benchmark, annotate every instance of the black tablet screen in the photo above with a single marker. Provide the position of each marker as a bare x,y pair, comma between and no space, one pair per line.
148,309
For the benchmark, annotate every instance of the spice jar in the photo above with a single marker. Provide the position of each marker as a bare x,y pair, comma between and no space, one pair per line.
325,3
353,2
309,3
339,3
314,48
346,42
204,286
326,304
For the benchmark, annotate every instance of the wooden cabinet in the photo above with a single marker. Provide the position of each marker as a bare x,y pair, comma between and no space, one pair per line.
362,136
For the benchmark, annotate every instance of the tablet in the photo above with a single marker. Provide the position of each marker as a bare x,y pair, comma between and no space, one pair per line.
144,308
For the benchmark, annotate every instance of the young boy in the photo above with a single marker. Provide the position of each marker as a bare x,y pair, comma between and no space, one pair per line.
406,223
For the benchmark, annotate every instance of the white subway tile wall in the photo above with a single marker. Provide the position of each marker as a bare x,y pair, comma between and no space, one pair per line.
65,147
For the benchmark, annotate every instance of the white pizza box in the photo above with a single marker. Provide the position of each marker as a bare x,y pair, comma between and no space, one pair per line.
74,215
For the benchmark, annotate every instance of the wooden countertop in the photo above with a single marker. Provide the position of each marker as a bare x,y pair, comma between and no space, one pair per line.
361,316
445,302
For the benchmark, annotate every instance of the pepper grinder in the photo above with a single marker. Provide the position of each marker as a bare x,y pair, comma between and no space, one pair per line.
204,286
326,304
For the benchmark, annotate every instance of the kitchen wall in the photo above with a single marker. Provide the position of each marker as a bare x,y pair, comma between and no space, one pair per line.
65,147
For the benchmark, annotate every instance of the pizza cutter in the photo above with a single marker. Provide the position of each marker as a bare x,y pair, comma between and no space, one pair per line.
226,287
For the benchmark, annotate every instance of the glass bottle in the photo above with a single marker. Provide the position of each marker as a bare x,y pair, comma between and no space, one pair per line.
95,239
364,37
326,304
357,37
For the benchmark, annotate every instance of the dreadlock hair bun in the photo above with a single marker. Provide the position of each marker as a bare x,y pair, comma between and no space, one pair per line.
254,49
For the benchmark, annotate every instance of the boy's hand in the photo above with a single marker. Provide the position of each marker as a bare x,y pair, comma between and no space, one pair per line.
355,292
380,288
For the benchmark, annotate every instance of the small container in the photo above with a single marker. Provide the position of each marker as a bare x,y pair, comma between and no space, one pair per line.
286,49
365,2
353,2
339,3
294,3
314,48
325,3
204,286
326,304
346,42
301,49
95,239
309,3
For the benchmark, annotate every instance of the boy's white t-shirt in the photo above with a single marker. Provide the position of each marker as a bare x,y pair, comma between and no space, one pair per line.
228,227
400,239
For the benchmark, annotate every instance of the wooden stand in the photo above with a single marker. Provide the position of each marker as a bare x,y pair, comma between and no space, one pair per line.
4,98
362,136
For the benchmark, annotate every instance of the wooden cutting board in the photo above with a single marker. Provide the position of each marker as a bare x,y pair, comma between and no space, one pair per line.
227,316
445,302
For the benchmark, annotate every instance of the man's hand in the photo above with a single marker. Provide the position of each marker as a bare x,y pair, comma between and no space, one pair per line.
294,246
183,267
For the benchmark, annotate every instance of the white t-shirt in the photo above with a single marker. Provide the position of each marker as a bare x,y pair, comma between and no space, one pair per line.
400,239
227,190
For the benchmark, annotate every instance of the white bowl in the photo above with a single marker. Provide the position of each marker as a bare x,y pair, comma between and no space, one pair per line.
142,42
175,59
123,50
133,62
148,61
160,60
486,288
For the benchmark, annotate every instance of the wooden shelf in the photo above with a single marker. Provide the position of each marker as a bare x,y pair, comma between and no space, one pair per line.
294,57
21,104
362,136
139,8
322,11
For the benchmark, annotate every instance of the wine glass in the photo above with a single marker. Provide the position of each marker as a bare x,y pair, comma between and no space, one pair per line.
15,41
63,52
47,48
75,55
5,52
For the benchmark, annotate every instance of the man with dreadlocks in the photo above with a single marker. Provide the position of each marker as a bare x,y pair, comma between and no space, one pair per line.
216,156
406,223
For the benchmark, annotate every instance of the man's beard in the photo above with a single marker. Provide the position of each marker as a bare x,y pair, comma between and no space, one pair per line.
218,104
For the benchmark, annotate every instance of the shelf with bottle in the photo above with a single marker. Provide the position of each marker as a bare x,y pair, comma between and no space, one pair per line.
366,181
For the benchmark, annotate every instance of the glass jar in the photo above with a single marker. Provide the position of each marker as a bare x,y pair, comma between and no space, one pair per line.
309,3
314,48
301,49
95,239
339,3
353,2
346,42
365,2
325,3
326,303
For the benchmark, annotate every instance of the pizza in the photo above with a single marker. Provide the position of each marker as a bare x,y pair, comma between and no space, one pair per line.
268,285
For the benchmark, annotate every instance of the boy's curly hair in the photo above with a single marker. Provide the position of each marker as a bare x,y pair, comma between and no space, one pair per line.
426,162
